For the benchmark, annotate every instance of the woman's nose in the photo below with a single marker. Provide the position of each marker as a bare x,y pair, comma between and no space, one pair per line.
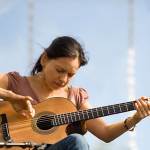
63,79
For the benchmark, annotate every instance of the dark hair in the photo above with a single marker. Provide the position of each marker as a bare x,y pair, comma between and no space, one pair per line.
64,46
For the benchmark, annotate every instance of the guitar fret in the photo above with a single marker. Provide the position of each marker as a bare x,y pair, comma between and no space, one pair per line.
83,115
108,110
63,118
126,106
114,109
87,115
130,106
97,111
71,117
58,122
78,116
123,107
102,112
74,114
119,107
111,110
92,113
55,120
67,119
60,119
105,110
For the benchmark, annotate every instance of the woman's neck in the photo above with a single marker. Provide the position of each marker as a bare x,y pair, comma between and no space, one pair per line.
43,91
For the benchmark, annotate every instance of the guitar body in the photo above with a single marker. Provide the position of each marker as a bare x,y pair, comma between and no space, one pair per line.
54,119
24,130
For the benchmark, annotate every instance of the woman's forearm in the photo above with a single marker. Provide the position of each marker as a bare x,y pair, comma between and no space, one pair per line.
117,129
5,94
8,95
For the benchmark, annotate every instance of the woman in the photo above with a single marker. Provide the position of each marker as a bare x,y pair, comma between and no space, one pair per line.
49,78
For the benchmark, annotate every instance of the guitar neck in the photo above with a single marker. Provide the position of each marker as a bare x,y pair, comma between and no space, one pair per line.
93,113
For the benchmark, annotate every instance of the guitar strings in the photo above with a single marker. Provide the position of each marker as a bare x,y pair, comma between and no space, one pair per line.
70,113
58,118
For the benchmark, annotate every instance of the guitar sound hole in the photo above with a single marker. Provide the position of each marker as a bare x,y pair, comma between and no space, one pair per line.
44,122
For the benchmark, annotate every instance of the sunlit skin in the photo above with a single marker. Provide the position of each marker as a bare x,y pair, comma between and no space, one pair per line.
55,77
58,72
53,80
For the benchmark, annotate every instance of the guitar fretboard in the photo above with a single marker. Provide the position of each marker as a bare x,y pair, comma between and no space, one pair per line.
92,113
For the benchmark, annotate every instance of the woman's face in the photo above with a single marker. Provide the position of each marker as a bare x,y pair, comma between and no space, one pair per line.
58,72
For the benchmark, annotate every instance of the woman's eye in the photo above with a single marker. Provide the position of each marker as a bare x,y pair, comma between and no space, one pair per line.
70,75
60,71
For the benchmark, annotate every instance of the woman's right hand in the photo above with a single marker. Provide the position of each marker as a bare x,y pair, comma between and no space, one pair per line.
21,104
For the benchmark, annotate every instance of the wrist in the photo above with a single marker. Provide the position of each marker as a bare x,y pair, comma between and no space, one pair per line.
136,118
10,96
129,124
4,94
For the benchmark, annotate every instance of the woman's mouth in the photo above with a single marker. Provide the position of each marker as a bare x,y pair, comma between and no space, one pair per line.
60,84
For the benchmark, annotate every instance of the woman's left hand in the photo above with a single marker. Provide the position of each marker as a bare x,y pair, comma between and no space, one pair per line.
142,106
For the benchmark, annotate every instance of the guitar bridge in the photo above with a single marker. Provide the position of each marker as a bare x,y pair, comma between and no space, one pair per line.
4,127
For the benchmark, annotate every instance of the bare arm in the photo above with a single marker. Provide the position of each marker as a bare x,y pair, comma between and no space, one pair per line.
20,103
109,132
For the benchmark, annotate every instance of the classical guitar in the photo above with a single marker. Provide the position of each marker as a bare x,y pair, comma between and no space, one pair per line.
52,120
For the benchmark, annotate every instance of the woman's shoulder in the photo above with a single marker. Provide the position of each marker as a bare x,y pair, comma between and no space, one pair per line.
78,96
15,79
80,91
5,77
14,74
3,80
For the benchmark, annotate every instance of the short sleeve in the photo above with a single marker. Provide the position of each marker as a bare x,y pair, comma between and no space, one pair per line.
79,96
13,79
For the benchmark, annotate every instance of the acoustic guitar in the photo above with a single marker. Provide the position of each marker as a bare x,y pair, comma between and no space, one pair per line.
55,118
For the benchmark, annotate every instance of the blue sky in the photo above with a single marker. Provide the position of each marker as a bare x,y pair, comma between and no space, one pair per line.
102,28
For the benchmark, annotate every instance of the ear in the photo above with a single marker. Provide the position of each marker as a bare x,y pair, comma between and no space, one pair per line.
44,59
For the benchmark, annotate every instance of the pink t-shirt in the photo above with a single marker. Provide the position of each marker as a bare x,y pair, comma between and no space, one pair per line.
20,85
